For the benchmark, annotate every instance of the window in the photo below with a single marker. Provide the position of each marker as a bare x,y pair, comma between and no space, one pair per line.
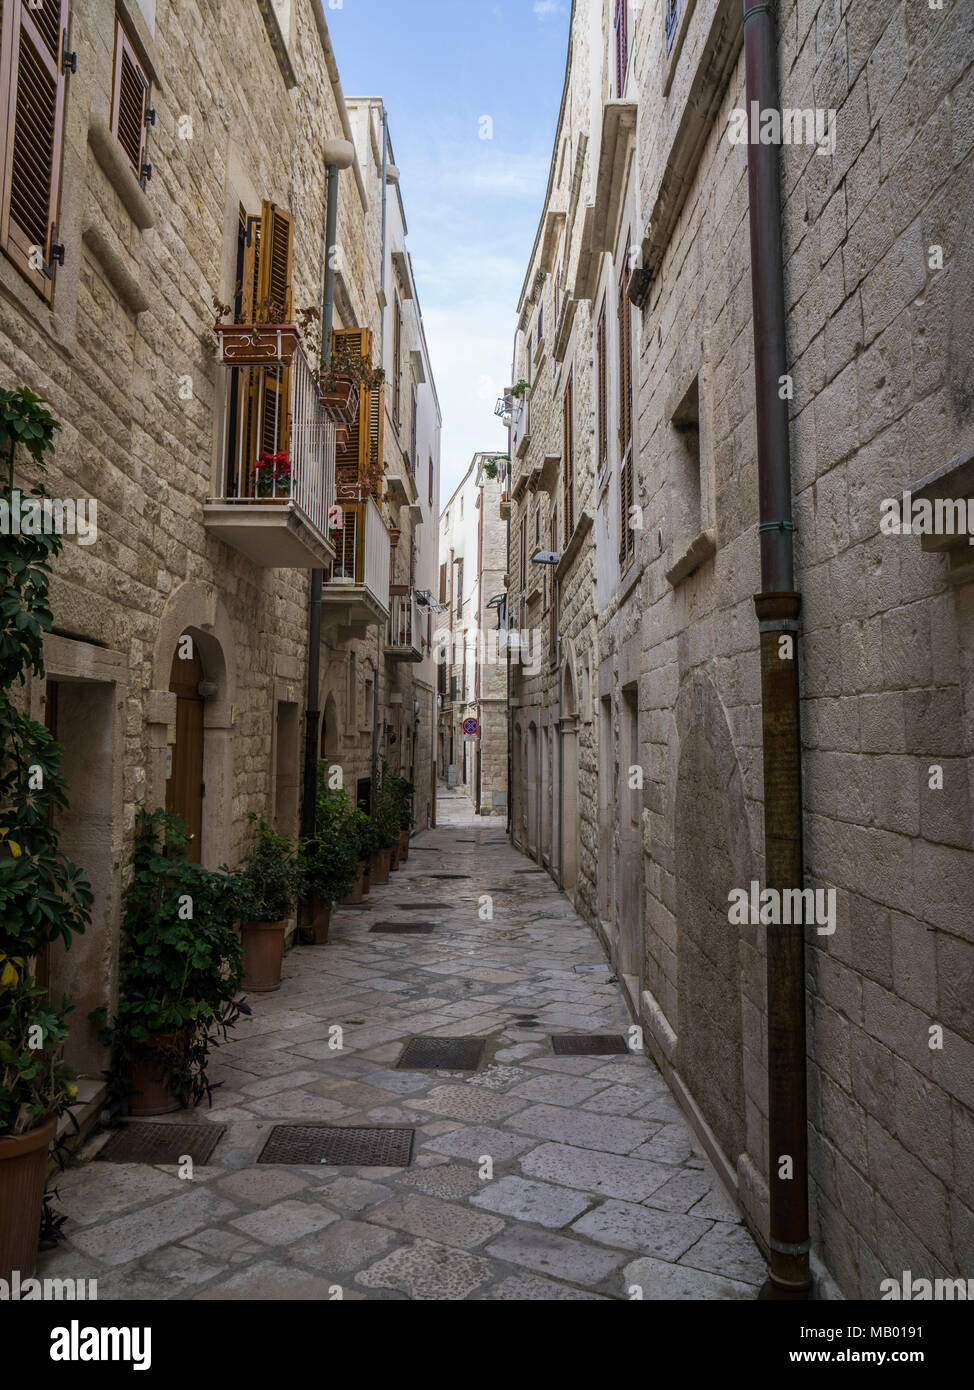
622,44
443,583
672,20
431,482
412,443
524,554
397,362
32,108
541,320
260,417
553,541
568,458
130,103
627,539
459,564
602,423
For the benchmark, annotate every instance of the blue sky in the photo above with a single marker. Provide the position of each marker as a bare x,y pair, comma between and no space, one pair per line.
472,204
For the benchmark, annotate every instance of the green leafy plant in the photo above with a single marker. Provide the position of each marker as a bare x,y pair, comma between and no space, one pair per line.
181,961
497,467
390,807
44,897
518,390
346,365
330,862
270,877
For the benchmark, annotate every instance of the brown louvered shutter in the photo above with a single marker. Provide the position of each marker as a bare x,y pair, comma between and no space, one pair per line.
568,430
442,583
130,101
32,91
360,459
274,271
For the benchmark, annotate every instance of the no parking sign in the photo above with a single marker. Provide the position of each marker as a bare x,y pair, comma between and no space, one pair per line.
470,726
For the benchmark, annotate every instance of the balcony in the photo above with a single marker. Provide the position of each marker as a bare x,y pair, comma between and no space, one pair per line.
356,596
278,449
404,641
522,424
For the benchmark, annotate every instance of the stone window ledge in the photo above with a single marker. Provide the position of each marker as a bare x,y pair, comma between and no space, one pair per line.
953,482
583,526
676,47
700,549
118,171
126,285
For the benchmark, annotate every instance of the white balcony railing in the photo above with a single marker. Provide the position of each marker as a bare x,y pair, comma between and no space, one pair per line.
361,565
406,626
279,455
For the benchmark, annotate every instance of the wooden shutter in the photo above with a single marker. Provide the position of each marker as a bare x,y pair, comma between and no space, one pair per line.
130,101
568,427
361,459
442,583
622,44
32,92
274,296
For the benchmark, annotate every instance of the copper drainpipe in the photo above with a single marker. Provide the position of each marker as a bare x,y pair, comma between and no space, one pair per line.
778,607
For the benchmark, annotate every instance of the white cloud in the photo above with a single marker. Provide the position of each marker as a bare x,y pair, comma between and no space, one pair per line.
544,9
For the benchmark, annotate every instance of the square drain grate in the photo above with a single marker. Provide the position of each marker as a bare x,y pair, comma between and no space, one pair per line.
139,1142
442,1054
304,1145
588,1045
446,875
422,907
404,928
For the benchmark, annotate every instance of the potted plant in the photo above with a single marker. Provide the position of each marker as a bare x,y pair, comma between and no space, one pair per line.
273,477
44,898
346,376
329,862
269,892
179,972
403,791
385,818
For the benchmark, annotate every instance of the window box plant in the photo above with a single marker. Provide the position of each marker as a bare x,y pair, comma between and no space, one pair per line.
341,383
180,972
273,477
44,898
270,338
269,892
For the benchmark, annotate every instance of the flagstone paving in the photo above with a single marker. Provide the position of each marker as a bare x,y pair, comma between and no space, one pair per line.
537,1177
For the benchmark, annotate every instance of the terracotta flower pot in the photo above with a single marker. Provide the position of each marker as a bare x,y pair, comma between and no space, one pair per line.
404,845
380,866
366,877
354,896
263,952
394,857
23,1170
150,1094
340,404
320,921
241,344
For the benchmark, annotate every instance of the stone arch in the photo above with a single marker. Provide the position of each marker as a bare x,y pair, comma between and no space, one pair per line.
712,854
330,744
532,769
196,609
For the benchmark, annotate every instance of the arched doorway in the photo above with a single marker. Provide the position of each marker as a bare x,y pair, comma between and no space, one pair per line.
568,820
184,786
329,731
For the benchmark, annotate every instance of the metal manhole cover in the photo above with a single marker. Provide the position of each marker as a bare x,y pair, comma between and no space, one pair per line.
442,1054
588,1044
403,928
139,1142
304,1145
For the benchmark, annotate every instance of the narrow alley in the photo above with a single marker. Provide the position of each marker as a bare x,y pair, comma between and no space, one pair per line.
534,1176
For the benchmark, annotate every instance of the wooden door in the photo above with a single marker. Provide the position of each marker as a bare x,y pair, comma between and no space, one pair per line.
184,788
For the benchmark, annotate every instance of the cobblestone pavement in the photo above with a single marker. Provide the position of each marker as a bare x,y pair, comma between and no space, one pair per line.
598,1184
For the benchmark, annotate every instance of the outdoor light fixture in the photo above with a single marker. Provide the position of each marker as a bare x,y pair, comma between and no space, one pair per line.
546,557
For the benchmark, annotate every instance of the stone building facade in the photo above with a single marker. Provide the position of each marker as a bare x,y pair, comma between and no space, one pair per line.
553,505
177,665
470,641
877,202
